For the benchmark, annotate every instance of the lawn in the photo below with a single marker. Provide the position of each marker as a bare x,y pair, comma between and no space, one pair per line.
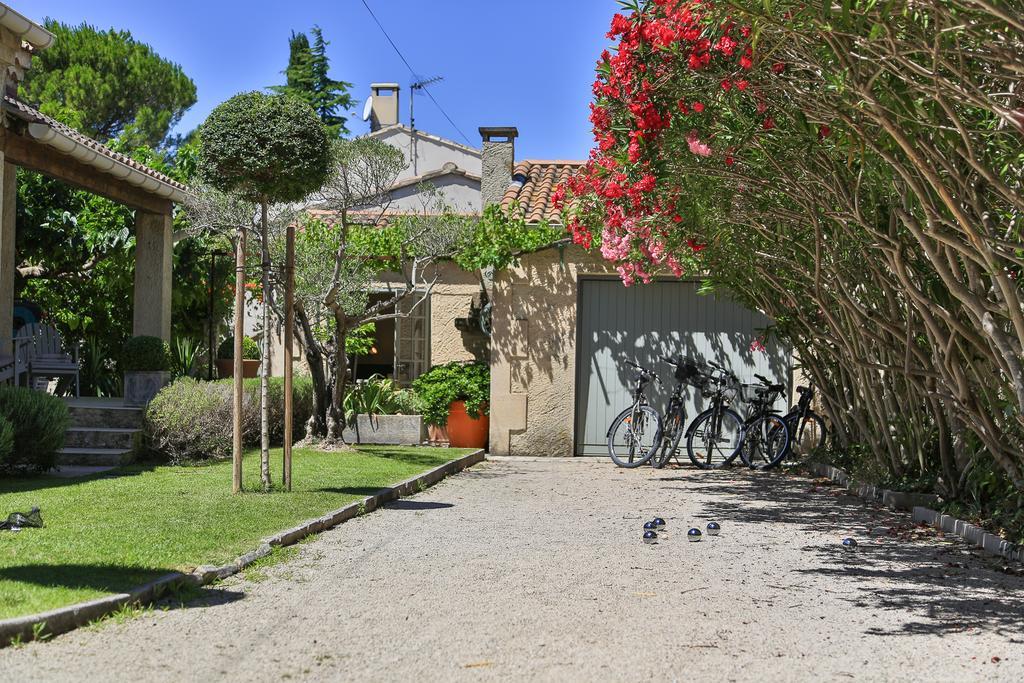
105,534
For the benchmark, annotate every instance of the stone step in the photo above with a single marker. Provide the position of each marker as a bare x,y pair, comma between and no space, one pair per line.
108,416
103,437
95,457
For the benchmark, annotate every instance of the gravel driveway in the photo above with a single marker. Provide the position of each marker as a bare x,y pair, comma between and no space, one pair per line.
535,569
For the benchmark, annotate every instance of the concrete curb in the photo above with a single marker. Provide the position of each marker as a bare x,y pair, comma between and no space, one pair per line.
64,619
894,500
916,504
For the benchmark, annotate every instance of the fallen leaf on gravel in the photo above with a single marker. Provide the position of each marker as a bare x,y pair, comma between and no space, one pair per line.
478,665
996,660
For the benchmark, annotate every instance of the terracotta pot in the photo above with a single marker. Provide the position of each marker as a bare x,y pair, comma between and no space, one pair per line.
226,368
464,431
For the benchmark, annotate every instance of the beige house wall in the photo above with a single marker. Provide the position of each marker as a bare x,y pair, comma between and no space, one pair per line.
533,352
454,293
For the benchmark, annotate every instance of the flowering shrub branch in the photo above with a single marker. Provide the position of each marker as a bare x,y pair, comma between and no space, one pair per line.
851,170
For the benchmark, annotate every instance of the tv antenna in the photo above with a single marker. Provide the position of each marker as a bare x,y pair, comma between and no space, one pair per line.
417,85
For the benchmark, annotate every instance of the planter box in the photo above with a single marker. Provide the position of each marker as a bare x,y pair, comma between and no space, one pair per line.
387,430
141,387
226,368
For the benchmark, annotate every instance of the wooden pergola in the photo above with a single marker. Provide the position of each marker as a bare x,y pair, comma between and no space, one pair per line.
32,140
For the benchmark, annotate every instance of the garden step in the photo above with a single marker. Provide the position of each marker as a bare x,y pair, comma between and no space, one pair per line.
102,437
95,457
110,416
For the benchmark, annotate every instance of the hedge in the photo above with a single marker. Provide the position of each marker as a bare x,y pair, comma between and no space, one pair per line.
34,432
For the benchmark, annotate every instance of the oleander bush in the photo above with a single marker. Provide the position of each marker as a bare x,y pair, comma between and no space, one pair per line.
35,430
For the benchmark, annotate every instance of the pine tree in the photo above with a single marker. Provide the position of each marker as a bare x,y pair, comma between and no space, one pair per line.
307,77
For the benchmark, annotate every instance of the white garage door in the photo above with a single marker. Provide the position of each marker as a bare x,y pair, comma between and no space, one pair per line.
643,323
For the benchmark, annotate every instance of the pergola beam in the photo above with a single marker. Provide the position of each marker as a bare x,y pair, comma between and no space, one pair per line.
39,157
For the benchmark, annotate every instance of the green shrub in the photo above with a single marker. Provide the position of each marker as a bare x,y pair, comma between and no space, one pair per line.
380,396
443,384
6,439
250,349
39,423
190,421
145,354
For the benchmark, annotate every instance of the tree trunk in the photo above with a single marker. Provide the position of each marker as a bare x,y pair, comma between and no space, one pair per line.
317,424
336,409
265,375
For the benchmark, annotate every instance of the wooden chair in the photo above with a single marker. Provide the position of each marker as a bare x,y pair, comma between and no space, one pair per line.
46,357
12,366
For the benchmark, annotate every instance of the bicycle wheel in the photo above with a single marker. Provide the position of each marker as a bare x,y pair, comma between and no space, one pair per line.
807,435
765,442
634,436
671,442
712,443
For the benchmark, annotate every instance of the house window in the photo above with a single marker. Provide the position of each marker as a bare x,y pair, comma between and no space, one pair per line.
412,333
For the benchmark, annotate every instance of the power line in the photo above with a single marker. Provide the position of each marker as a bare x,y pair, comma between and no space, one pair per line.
413,72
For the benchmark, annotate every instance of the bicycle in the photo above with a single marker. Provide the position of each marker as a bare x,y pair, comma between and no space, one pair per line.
627,436
807,429
687,372
767,439
716,436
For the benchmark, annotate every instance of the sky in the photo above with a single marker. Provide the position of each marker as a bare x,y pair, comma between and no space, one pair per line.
528,64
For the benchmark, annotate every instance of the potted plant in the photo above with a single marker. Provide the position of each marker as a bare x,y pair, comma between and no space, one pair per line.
455,397
250,358
146,364
378,411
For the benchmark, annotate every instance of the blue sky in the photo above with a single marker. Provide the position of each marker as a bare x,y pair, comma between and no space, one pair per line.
529,64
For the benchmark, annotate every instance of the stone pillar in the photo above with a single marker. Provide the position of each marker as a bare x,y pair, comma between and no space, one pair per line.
8,198
499,156
154,252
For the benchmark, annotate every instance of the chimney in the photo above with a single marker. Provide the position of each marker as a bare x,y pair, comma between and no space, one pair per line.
499,156
384,107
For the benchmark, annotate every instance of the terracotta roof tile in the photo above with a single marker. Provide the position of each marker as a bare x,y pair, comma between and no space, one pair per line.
534,183
31,115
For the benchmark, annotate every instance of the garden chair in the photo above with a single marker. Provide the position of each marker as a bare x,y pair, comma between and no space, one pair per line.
12,366
46,357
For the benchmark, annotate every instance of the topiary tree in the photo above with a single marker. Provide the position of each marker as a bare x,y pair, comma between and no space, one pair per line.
265,149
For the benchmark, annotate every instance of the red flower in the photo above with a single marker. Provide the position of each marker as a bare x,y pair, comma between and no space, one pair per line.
729,161
778,68
824,131
769,123
697,248
682,106
726,85
698,107
743,85
746,62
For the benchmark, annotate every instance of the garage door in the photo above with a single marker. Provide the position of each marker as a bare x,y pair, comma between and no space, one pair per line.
643,323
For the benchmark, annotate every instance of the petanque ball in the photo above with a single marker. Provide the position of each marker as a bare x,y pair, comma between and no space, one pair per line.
659,522
650,526
693,535
849,544
650,537
713,528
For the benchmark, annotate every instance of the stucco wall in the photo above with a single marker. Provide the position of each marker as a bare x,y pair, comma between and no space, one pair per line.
432,153
533,357
454,293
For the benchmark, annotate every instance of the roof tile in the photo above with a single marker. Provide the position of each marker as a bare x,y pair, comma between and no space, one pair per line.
533,186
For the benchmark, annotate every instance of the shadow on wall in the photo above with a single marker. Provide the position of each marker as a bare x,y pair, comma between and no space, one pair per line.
645,323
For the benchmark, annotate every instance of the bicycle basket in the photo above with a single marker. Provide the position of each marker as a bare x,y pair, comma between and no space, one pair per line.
751,392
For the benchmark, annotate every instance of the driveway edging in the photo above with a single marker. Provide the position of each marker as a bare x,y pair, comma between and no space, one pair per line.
989,543
63,619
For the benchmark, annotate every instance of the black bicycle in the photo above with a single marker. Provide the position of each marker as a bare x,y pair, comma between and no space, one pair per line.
767,436
635,434
718,435
806,428
687,372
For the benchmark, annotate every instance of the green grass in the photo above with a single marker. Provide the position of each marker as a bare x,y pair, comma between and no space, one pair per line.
105,534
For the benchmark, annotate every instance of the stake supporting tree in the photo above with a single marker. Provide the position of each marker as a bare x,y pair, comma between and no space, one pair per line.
289,340
236,422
